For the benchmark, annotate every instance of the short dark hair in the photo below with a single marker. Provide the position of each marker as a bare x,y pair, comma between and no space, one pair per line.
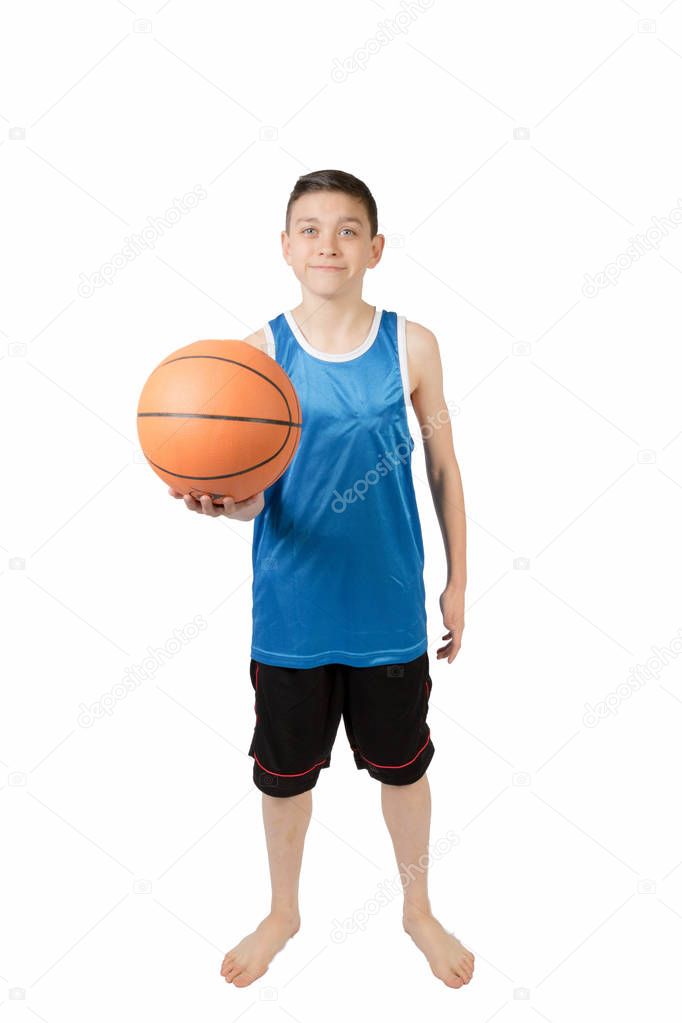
335,181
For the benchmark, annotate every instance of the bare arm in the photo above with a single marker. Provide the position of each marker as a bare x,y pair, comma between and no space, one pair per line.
443,474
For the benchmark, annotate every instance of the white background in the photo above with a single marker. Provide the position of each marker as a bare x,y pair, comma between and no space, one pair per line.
512,149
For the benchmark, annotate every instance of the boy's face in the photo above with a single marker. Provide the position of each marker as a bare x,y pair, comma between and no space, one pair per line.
330,229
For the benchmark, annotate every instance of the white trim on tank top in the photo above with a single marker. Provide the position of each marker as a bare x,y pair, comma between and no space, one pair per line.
402,351
270,341
402,357
335,356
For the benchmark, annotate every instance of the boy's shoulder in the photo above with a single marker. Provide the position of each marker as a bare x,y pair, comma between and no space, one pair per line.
257,339
418,333
421,345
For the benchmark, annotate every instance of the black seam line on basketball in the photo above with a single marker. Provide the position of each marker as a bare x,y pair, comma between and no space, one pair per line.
201,415
235,362
223,476
227,475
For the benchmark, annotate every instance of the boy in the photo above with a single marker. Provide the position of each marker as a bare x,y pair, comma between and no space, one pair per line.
339,620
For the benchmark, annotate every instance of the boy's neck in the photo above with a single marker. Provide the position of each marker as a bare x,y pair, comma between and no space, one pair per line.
334,326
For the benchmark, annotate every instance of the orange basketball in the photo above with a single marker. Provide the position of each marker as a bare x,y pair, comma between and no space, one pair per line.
219,418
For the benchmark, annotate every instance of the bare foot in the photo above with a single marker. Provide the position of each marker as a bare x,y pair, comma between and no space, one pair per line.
449,960
251,957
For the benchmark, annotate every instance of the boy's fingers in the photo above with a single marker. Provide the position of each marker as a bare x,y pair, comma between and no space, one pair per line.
207,505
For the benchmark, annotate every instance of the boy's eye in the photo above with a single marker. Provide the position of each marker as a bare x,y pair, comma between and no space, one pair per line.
343,229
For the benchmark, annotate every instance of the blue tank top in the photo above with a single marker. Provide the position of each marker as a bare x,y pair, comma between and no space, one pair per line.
337,556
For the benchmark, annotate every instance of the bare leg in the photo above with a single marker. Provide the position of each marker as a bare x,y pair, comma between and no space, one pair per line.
286,821
407,812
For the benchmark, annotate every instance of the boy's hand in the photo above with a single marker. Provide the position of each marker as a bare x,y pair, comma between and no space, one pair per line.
452,606
243,511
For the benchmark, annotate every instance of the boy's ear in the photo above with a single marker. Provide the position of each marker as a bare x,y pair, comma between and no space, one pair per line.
378,242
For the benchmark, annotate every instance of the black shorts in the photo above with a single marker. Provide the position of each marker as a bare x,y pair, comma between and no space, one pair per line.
298,711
